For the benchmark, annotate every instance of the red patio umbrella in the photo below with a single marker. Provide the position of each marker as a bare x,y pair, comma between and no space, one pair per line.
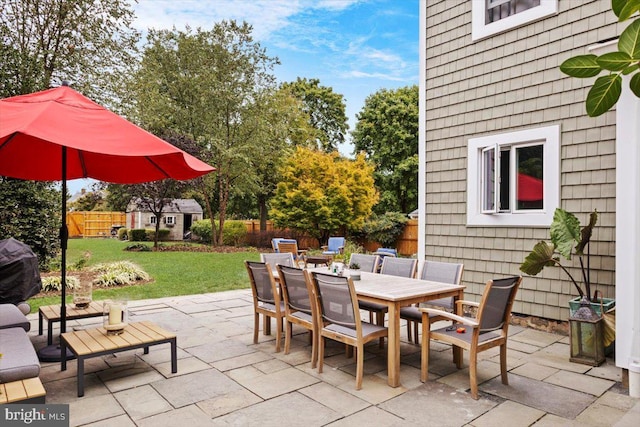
59,134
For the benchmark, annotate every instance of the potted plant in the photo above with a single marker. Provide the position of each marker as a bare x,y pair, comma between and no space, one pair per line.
567,239
354,271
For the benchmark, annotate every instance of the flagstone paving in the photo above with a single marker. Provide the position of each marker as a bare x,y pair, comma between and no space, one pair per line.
224,379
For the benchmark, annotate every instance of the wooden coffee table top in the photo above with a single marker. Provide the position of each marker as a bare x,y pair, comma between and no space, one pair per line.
52,312
96,340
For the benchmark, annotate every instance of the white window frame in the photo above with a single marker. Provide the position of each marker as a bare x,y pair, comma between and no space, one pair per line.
170,220
477,215
152,219
481,30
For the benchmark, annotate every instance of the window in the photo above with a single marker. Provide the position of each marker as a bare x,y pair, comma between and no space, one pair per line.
152,219
496,16
170,220
514,178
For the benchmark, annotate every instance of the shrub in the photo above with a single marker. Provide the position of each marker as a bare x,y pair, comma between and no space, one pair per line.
138,247
235,231
202,229
118,273
138,235
54,283
385,229
163,234
123,234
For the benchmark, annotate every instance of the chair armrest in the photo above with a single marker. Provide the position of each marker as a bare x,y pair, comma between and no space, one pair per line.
468,303
441,313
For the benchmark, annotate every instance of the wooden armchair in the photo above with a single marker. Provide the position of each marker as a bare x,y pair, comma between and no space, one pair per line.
489,329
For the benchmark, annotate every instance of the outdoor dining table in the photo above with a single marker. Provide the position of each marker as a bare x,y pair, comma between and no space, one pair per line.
396,292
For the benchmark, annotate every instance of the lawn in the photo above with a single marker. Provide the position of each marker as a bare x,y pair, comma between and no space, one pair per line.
173,273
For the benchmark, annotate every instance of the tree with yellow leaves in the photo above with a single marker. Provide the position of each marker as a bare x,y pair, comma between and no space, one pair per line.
323,193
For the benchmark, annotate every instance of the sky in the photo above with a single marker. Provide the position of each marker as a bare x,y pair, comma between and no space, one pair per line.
356,47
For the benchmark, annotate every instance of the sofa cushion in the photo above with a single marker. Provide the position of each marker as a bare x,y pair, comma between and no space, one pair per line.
12,317
19,359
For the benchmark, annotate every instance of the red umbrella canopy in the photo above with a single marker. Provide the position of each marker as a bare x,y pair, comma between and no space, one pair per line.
100,144
530,188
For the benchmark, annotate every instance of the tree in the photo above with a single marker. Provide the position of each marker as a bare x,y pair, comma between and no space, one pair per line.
89,42
323,193
326,111
606,90
285,125
89,201
31,213
210,85
387,131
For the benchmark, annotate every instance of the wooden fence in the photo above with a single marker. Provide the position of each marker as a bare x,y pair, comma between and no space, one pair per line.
407,243
93,223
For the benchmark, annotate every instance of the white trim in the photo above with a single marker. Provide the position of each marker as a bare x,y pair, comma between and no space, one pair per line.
422,134
550,136
627,227
480,30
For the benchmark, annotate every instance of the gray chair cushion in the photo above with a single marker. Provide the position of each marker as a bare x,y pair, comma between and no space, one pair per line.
12,317
19,359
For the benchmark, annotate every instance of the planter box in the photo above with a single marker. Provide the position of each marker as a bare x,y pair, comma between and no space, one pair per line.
607,304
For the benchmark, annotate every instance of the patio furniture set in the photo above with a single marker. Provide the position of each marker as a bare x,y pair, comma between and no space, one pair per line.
328,305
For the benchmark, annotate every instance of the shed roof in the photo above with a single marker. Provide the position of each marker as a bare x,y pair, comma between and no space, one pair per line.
189,206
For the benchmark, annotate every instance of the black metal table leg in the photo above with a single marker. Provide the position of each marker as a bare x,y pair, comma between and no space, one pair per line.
174,356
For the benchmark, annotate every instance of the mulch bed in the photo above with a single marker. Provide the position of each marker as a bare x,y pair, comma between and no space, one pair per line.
202,248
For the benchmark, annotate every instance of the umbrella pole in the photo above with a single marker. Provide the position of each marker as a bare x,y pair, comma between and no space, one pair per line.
53,353
64,237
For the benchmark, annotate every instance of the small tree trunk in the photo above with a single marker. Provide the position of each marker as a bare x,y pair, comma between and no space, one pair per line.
262,205
155,235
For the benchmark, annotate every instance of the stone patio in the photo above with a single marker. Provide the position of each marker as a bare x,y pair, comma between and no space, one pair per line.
224,379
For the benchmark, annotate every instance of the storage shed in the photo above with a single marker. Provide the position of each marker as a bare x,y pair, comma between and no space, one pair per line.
177,217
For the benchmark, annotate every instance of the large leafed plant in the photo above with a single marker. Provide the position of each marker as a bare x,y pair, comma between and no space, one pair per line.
606,90
567,238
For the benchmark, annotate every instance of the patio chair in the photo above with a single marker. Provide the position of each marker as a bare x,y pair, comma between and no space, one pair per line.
335,246
339,319
300,307
402,267
489,329
276,241
444,272
266,300
275,259
384,252
291,246
368,263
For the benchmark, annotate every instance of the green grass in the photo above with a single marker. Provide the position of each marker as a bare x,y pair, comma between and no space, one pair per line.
173,273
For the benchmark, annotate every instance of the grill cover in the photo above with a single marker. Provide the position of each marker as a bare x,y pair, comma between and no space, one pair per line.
19,273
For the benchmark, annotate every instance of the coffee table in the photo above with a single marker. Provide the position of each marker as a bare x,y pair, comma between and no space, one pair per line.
52,314
95,342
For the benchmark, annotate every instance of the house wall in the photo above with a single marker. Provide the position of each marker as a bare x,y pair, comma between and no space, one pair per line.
509,82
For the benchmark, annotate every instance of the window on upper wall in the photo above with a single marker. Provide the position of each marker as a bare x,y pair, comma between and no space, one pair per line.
152,219
496,16
514,178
